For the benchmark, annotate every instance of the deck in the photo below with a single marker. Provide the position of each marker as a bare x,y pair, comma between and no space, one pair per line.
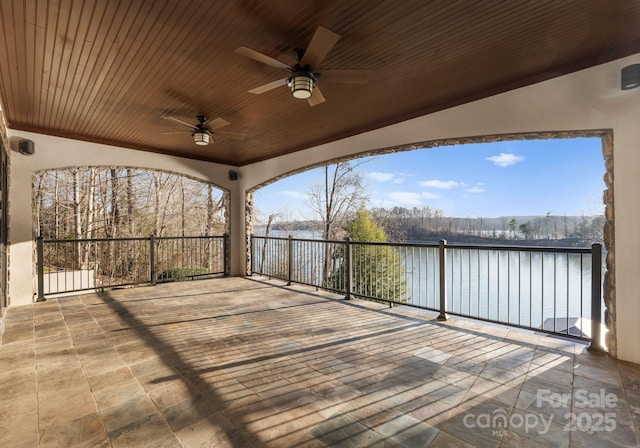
238,362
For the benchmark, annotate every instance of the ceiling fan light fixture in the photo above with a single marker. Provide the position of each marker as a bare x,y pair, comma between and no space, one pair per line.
301,84
201,137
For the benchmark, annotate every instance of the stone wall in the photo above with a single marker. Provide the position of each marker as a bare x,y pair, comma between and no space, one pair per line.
5,146
609,245
248,221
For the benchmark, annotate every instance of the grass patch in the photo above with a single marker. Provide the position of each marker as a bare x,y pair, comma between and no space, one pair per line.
181,274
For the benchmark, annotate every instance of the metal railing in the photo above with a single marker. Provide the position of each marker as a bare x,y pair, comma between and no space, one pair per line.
546,289
72,265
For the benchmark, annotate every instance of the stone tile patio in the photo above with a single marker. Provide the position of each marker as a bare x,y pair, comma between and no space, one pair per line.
247,363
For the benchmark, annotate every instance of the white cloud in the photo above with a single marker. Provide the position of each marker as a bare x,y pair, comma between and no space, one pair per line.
398,180
406,197
504,159
293,194
476,189
441,184
380,177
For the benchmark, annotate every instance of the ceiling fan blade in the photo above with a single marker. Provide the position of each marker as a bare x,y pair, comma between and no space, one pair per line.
350,76
257,56
316,97
270,86
227,134
176,132
321,44
217,123
167,117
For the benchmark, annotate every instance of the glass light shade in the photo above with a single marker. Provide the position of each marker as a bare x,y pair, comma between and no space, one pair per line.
302,85
201,137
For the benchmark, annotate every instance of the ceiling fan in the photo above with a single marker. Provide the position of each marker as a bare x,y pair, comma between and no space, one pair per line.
304,75
203,131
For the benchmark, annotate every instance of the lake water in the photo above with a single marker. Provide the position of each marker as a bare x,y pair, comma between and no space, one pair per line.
516,287
526,288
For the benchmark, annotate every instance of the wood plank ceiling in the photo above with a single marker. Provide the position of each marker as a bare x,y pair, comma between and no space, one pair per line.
107,71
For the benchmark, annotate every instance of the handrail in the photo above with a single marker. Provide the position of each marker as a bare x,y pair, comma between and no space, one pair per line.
540,288
81,264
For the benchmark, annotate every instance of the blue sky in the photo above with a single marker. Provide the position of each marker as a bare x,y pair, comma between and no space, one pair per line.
516,178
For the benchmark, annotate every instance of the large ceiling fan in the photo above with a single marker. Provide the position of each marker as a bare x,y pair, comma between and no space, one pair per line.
304,75
203,131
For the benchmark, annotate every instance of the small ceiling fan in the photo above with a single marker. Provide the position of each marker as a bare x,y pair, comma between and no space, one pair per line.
203,131
303,77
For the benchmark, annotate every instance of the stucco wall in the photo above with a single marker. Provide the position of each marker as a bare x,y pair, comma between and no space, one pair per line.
585,100
54,152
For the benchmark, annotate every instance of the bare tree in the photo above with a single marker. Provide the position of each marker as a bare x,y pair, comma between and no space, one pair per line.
40,204
115,209
335,201
157,189
56,205
108,202
130,218
124,203
90,212
272,217
77,212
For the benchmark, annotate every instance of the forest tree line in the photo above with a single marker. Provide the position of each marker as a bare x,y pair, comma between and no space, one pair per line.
430,224
107,202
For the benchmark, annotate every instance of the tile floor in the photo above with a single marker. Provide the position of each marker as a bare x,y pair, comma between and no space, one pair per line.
247,363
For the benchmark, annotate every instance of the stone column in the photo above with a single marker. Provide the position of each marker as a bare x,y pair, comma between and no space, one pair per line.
609,244
248,222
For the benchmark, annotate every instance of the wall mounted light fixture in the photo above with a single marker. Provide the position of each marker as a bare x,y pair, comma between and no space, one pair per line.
630,77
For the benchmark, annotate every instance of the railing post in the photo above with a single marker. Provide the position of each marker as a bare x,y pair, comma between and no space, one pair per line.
225,254
290,261
40,267
348,274
596,298
443,280
152,259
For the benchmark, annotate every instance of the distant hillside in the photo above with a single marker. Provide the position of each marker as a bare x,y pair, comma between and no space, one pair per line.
427,224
